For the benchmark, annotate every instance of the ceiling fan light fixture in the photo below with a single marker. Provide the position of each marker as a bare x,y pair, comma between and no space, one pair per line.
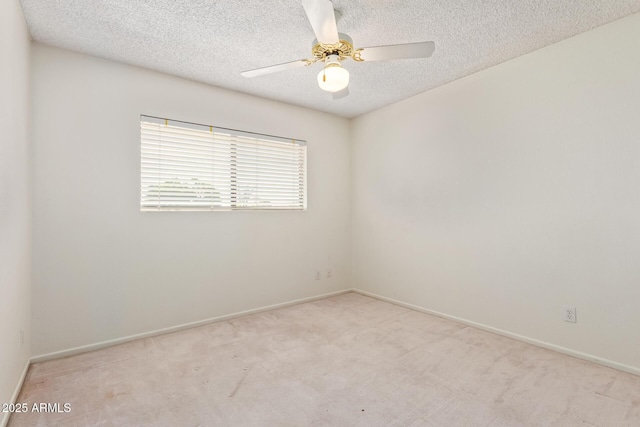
333,77
332,47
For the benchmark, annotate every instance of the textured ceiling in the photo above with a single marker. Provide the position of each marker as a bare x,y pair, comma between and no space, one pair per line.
213,41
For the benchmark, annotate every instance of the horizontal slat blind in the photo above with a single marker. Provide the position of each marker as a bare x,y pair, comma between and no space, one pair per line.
185,166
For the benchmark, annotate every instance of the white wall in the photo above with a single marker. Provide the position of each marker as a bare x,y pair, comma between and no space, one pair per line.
103,270
505,195
15,197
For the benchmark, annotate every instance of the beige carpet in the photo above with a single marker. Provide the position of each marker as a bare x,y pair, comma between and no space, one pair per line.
343,361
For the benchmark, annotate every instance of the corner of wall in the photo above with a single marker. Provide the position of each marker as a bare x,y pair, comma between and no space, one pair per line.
15,215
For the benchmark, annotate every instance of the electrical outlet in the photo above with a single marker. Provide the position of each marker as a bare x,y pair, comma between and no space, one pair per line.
21,337
318,275
569,314
329,274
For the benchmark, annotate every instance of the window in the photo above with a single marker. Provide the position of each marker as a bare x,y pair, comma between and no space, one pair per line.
186,166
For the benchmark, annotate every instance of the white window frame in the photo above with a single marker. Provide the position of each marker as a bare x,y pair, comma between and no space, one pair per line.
193,167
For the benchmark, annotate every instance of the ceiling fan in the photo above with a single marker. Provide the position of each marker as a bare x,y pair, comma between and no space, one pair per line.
332,48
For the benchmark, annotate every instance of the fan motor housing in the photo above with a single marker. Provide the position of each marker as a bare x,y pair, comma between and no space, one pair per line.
343,49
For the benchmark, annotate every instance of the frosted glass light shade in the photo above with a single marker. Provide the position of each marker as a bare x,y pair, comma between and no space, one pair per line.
333,78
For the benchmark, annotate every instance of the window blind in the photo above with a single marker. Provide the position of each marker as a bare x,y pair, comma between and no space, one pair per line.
186,166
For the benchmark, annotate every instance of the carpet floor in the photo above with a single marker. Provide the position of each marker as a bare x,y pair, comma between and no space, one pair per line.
347,360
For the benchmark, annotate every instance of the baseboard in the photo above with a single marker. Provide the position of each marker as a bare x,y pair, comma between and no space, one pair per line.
14,397
543,344
109,343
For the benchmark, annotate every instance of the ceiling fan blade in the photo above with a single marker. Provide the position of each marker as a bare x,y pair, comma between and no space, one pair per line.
275,68
397,51
322,19
341,93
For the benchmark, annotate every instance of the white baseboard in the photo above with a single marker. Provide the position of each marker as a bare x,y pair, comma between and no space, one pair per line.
543,344
14,397
109,343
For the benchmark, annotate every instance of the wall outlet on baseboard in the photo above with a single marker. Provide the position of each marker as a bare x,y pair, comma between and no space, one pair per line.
569,314
318,275
329,274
